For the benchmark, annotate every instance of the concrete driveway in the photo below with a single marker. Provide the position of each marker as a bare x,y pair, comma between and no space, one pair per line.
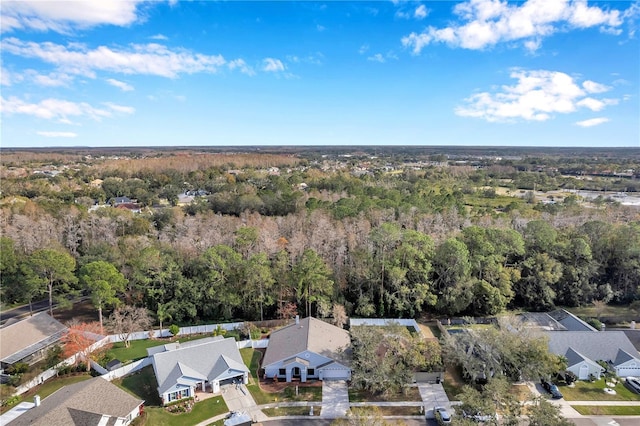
335,399
433,395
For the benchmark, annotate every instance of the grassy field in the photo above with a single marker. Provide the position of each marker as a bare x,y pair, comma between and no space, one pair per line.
607,410
203,410
618,313
142,384
588,391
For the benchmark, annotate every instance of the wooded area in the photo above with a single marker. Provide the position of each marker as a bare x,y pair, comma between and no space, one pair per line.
265,237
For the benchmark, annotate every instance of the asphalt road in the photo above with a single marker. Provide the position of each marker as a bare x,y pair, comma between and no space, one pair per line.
38,306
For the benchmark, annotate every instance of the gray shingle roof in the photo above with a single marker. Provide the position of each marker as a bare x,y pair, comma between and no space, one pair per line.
310,334
25,337
570,321
602,345
198,359
80,404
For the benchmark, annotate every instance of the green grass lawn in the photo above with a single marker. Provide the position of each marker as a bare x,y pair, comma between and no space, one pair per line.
138,348
142,384
607,410
203,410
625,313
594,391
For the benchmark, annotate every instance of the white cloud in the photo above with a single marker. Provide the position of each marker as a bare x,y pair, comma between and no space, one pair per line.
592,122
62,17
272,65
125,87
59,110
536,96
320,28
119,108
421,12
376,58
57,134
242,66
363,49
54,79
485,23
593,87
159,37
149,59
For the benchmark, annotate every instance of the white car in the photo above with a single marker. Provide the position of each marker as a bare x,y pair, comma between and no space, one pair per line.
633,383
442,415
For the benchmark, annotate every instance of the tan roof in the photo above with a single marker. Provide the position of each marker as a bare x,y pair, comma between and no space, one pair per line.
80,404
28,333
310,334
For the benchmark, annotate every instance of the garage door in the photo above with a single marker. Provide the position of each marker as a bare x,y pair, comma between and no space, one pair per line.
626,372
335,374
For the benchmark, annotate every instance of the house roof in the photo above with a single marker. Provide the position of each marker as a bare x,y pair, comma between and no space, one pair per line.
309,334
81,404
25,337
602,345
570,321
200,359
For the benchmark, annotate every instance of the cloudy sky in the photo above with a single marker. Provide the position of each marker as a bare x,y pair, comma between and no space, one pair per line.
477,72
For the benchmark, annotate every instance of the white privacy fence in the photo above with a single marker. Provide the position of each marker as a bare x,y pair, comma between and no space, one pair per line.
127,369
385,322
184,331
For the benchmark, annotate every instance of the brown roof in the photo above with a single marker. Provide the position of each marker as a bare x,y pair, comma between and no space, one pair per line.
310,334
80,404
28,333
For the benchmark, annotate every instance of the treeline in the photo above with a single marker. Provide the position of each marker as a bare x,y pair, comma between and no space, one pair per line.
381,262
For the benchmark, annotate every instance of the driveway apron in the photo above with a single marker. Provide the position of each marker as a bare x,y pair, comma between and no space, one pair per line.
433,395
335,399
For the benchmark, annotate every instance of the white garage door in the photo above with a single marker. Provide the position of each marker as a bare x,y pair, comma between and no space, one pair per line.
335,374
626,372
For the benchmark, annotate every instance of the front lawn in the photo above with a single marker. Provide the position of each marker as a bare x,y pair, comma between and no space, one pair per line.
607,410
594,391
203,410
411,394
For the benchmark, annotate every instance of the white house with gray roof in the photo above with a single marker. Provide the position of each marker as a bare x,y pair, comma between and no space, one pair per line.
584,348
308,349
204,365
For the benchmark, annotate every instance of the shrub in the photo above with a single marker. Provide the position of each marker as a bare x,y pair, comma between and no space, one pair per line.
54,356
174,329
18,368
595,323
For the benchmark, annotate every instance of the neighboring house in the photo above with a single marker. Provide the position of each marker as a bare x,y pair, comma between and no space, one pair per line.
584,348
93,402
29,339
558,320
116,201
308,349
183,368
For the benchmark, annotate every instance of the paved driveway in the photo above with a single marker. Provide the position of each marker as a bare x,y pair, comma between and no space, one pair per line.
433,395
335,399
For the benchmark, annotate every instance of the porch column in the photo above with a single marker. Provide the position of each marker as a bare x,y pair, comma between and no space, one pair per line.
289,374
245,378
215,386
303,374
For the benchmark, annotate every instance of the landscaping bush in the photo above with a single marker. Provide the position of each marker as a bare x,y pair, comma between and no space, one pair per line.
54,357
174,329
18,368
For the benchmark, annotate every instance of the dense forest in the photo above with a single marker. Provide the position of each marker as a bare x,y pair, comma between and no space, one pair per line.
216,236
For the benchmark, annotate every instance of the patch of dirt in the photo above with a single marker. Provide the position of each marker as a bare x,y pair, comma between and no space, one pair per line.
82,311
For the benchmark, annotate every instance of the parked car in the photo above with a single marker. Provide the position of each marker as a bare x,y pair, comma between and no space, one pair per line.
633,383
555,392
545,385
442,415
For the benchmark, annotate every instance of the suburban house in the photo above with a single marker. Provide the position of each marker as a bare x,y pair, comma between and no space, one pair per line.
181,369
93,402
308,349
29,339
584,348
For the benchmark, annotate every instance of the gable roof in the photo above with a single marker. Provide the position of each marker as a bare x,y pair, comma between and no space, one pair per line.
81,404
309,334
199,359
569,321
574,358
25,337
601,345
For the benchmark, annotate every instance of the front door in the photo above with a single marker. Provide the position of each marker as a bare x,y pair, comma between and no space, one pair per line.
295,372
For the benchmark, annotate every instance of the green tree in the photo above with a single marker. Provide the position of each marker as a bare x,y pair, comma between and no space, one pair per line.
258,283
544,413
104,284
52,269
385,238
311,275
451,276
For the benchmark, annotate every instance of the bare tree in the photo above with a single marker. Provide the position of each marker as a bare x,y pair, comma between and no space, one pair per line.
339,315
126,320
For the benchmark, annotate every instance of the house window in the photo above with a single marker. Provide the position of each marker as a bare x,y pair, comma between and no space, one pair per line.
311,371
282,372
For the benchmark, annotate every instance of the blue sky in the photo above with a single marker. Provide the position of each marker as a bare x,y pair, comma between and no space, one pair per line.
476,72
